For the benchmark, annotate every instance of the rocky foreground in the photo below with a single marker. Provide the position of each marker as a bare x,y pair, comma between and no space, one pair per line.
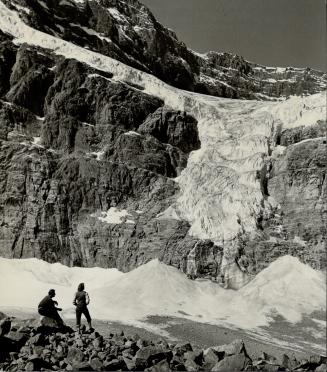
46,347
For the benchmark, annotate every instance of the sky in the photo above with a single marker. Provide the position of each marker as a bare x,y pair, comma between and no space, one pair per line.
269,32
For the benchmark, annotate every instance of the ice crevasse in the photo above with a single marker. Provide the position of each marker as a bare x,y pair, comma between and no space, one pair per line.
220,193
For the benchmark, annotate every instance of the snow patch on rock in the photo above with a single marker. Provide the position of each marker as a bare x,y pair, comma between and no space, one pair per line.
114,216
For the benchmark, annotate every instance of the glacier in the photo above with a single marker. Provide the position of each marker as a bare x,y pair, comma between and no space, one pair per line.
220,192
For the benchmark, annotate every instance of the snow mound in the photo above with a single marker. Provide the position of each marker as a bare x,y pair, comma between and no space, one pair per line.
30,279
287,288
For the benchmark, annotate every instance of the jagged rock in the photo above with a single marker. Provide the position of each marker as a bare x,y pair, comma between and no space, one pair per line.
288,362
5,326
268,358
3,315
37,340
295,135
146,152
19,339
49,325
182,348
211,358
114,365
321,368
195,356
177,364
237,362
97,343
149,355
96,364
234,348
130,363
162,366
298,184
270,368
30,80
35,364
173,127
8,54
75,356
51,329
190,365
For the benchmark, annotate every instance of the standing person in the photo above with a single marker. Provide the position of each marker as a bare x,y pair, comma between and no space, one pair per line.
81,301
47,307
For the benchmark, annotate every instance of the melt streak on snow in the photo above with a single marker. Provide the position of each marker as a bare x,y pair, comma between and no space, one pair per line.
220,191
287,288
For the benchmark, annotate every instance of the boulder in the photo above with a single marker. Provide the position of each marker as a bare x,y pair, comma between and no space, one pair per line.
18,339
162,366
75,356
114,365
3,316
49,326
96,364
37,340
268,358
190,365
211,358
288,363
130,363
35,364
149,355
5,326
321,368
234,348
196,356
182,348
237,362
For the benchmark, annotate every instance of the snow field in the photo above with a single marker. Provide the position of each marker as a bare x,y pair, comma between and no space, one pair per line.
287,288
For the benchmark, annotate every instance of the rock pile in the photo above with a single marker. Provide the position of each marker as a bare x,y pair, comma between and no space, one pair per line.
49,348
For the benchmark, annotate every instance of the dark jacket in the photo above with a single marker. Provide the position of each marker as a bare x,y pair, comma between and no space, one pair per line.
47,304
81,299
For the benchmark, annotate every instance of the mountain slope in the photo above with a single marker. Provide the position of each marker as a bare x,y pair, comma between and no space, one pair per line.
206,184
128,32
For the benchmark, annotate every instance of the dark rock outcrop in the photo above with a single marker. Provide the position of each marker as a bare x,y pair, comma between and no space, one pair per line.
61,171
297,181
176,128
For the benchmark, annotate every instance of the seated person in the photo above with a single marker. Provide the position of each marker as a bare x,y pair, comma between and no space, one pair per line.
47,307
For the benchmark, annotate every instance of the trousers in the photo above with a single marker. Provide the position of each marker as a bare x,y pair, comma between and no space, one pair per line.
53,314
85,312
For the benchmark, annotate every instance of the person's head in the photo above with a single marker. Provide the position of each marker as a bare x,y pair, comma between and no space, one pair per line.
80,287
52,293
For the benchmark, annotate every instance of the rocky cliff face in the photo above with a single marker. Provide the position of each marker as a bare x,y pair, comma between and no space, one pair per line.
100,144
90,162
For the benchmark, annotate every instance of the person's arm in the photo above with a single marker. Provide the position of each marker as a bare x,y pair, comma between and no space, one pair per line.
74,301
53,305
87,298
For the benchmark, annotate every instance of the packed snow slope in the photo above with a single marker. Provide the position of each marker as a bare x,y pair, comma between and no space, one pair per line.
287,289
287,293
